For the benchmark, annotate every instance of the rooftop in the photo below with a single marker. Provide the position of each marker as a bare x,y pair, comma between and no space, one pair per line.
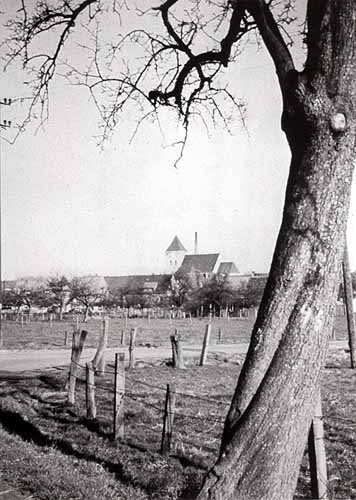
176,246
227,268
205,263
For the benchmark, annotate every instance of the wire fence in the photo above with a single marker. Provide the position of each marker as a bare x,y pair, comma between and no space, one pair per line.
197,420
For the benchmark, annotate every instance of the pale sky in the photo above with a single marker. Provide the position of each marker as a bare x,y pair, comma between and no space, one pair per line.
68,207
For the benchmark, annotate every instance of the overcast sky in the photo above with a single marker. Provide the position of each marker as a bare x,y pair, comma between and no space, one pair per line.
68,207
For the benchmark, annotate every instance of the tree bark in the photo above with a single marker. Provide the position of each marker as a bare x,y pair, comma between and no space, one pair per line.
267,426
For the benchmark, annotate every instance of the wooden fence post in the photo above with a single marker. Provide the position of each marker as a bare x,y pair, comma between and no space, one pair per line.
119,392
132,347
66,338
349,306
220,335
168,419
90,390
1,337
317,456
122,337
177,351
204,351
77,348
99,358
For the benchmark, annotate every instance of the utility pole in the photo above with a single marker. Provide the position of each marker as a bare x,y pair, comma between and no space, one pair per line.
4,124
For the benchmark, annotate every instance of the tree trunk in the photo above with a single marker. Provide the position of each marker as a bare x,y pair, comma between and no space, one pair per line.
267,426
86,314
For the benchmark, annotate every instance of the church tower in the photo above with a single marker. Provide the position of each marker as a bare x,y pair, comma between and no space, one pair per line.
174,255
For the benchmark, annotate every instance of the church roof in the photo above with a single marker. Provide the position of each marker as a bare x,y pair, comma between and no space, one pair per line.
176,246
204,263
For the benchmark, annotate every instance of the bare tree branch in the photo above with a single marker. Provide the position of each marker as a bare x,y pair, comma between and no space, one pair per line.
177,59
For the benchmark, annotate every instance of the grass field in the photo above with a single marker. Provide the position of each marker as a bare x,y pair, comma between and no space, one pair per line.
52,451
40,335
43,335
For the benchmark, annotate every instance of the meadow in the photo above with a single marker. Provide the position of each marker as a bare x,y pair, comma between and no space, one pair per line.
53,451
154,332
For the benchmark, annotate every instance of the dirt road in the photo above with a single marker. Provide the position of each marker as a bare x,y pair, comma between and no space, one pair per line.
18,361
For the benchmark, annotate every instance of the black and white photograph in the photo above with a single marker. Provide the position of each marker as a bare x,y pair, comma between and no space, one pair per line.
177,250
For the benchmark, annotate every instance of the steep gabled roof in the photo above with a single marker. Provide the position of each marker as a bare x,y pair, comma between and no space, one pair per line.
176,246
227,268
203,263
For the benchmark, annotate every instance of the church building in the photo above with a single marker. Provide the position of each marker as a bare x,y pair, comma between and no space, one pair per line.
175,254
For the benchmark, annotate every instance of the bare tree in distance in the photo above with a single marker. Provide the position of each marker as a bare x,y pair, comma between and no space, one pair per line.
59,289
22,297
179,63
86,290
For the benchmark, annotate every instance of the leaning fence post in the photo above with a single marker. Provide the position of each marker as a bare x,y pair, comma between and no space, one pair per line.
77,348
177,351
316,451
90,390
168,418
132,347
122,337
204,351
119,392
99,358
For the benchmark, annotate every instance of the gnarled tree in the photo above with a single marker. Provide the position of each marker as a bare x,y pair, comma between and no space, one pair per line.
182,66
58,287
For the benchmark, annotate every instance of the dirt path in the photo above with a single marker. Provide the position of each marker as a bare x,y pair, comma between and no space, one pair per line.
18,361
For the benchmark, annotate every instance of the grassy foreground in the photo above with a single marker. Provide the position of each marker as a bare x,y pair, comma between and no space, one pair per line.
52,450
